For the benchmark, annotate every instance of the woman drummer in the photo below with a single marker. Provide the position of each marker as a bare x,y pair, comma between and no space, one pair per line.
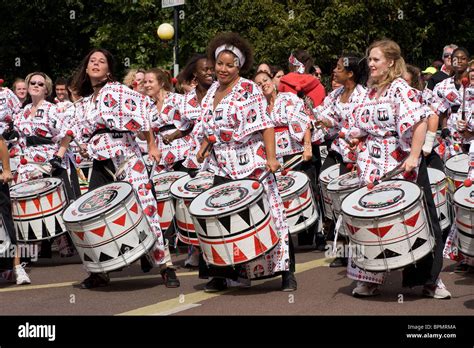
44,145
394,122
292,134
115,152
234,110
336,115
8,109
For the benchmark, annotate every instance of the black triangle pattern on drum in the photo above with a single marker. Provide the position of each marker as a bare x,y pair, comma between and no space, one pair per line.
87,258
124,248
142,236
442,217
261,205
104,257
57,226
202,223
45,231
301,220
226,222
245,215
387,254
31,234
20,235
418,243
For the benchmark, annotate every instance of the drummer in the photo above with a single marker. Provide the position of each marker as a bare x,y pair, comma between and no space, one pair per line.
115,153
235,111
7,111
394,122
292,133
336,116
44,144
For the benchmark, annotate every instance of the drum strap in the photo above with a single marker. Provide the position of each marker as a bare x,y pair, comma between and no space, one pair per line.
115,133
166,128
35,140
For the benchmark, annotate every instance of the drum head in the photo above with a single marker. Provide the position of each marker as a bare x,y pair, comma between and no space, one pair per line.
188,188
97,201
344,182
291,183
464,196
162,183
458,163
225,199
34,188
384,199
329,174
435,176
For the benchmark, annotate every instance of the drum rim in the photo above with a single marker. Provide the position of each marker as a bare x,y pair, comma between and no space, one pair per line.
96,215
169,191
177,196
387,214
53,188
453,170
459,204
320,175
343,190
230,212
302,189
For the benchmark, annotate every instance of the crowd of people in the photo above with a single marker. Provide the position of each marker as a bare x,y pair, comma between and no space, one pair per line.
214,119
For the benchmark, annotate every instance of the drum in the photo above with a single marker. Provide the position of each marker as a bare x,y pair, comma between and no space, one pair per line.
298,199
388,225
162,183
464,207
5,241
84,173
36,208
456,168
184,190
233,223
108,227
439,190
325,178
323,152
339,188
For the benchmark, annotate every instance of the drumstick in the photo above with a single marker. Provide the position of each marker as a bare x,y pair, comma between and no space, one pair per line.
257,183
394,172
149,185
70,133
211,139
67,107
291,164
465,83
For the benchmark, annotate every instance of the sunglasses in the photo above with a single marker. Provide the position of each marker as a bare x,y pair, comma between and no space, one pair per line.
446,55
34,83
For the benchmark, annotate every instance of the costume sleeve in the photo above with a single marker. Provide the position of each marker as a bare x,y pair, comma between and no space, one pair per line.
298,119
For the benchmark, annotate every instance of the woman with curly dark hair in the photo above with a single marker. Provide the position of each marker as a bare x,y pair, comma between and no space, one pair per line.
235,111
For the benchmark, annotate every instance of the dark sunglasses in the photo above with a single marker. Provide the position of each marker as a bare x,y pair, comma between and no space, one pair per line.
446,55
34,83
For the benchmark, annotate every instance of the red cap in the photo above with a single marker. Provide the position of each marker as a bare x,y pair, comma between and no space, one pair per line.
255,185
212,138
174,80
349,166
342,134
148,186
70,133
406,175
371,185
78,160
456,147
23,161
1,82
465,81
468,182
284,171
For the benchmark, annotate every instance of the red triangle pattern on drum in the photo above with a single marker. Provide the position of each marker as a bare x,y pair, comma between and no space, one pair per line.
443,191
134,208
239,256
352,229
99,231
37,203
23,205
161,207
380,231
50,199
412,221
80,235
287,204
273,235
304,195
216,257
458,183
259,246
120,221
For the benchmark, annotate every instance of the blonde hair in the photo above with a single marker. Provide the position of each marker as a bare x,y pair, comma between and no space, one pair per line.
47,80
391,51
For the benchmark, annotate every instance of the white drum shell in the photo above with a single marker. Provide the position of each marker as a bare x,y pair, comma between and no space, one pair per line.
324,179
464,209
439,187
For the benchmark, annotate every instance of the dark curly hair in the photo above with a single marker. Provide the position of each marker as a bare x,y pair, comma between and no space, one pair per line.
187,74
235,40
305,58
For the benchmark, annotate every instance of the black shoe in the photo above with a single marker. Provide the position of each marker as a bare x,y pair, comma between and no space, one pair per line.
216,285
288,281
145,264
95,280
338,262
170,278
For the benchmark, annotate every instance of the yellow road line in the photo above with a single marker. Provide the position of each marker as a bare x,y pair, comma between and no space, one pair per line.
66,284
199,296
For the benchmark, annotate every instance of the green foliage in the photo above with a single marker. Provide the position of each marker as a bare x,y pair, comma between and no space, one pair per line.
45,37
